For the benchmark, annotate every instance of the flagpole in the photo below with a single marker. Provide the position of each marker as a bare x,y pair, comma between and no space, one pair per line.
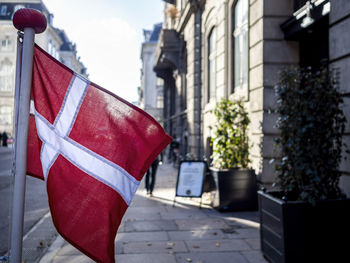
29,21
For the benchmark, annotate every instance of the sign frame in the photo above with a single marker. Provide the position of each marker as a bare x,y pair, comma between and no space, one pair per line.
180,183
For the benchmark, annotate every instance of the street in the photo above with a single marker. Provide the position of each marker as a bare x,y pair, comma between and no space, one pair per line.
36,205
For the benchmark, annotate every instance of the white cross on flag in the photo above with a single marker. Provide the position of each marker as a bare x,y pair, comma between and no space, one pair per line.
92,148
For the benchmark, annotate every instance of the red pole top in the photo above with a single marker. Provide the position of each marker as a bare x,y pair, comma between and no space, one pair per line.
27,17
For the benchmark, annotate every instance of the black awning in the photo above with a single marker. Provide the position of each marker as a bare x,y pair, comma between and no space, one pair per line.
304,18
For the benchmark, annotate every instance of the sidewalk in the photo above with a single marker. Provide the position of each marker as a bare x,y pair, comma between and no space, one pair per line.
153,231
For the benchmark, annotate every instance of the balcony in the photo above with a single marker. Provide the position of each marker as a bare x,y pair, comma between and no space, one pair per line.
168,52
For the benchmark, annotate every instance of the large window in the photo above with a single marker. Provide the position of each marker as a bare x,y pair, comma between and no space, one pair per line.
212,64
6,75
5,115
240,45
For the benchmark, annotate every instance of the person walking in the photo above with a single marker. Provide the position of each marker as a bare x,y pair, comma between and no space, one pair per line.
174,148
4,139
151,177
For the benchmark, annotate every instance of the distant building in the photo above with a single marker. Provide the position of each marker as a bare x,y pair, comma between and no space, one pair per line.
53,40
68,54
151,90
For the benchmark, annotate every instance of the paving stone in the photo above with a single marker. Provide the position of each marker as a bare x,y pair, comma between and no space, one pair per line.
182,215
201,224
119,247
68,249
230,216
32,254
145,258
146,210
196,234
139,200
254,256
254,243
154,225
142,236
36,242
235,257
242,233
154,247
217,245
121,227
70,259
133,214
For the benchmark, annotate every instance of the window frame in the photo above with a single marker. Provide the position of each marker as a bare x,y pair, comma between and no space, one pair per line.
237,32
211,62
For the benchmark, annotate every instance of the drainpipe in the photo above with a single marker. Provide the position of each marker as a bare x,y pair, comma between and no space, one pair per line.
198,74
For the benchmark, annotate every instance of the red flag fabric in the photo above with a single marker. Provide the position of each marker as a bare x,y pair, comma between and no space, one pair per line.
92,148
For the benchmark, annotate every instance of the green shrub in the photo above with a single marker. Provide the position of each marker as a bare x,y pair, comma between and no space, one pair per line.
230,141
312,124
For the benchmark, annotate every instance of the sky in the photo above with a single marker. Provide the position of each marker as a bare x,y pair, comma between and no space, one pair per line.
108,35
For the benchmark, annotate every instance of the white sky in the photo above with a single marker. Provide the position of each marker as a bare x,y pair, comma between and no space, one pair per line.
108,34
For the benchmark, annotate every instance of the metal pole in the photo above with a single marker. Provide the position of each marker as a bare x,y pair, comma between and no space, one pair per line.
18,78
17,89
21,146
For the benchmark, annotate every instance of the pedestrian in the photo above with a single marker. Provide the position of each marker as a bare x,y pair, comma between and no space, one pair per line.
4,139
151,176
174,148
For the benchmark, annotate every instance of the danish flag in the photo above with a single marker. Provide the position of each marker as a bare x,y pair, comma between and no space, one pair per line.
92,148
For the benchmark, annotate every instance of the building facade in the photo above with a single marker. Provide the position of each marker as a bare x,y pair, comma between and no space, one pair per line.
151,90
213,49
53,40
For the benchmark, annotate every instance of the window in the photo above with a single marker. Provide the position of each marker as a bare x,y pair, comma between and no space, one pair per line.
240,45
160,96
212,64
6,75
160,100
6,44
183,92
4,10
5,115
17,7
51,49
181,4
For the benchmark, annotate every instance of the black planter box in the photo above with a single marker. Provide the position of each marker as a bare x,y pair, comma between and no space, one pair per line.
236,190
295,231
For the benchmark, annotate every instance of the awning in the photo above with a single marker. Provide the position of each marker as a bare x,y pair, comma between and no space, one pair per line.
305,17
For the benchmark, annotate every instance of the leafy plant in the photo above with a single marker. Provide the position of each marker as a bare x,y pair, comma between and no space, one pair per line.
230,140
312,124
172,12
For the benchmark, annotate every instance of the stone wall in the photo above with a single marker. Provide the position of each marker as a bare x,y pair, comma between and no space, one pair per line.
339,55
269,53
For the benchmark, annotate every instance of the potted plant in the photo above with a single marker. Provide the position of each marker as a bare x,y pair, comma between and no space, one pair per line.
307,218
236,184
